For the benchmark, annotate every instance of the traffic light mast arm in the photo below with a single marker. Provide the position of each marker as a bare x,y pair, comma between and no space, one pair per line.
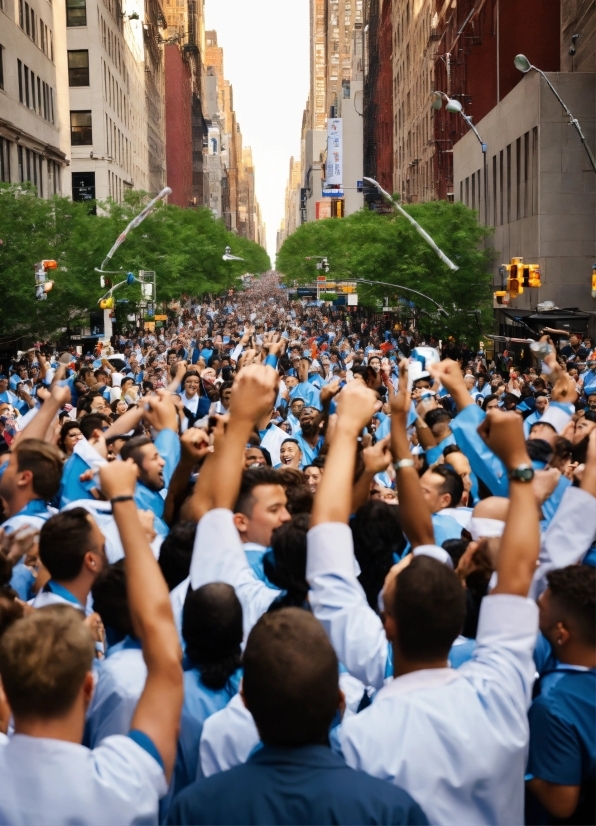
408,289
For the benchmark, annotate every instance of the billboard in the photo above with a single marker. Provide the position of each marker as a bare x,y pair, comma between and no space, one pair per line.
334,169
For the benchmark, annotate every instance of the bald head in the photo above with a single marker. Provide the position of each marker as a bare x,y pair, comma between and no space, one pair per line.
494,507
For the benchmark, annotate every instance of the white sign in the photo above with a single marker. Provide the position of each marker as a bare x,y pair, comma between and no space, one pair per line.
352,300
334,170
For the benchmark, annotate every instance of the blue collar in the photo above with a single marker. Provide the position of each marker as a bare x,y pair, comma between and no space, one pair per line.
36,507
61,591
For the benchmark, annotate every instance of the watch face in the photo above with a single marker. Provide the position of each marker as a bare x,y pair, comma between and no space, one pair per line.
524,474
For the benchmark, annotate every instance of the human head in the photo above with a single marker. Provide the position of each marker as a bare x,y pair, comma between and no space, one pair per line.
439,422
296,406
256,456
225,394
290,453
191,384
543,431
45,665
212,631
71,545
70,434
378,538
290,683
146,457
33,471
567,608
490,402
442,488
313,475
261,505
425,611
285,564
541,403
110,599
176,552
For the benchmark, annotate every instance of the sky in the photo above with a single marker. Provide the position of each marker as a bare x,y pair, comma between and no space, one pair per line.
266,56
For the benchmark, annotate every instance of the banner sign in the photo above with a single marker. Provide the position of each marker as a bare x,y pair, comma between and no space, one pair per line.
334,169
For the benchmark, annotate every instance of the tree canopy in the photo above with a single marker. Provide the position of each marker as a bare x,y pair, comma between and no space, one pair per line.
183,246
387,248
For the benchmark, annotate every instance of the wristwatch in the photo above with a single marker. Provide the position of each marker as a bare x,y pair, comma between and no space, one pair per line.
403,463
522,473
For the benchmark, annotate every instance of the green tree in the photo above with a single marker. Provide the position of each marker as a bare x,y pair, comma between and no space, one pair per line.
387,248
183,246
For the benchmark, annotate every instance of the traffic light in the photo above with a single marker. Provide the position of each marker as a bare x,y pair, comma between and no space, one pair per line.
501,297
534,279
593,280
515,277
42,285
105,282
107,303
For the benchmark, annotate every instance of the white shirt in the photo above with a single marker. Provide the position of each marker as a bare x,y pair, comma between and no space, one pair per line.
45,781
272,441
456,740
218,556
128,670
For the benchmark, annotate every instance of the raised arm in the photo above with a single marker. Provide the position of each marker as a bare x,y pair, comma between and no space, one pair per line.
520,544
39,425
194,446
158,711
414,512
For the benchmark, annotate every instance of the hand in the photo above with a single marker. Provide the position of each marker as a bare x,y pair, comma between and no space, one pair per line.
181,368
95,625
254,392
147,519
194,444
565,390
544,483
400,403
43,393
478,556
19,543
355,406
377,458
118,479
60,394
162,414
503,433
328,391
449,373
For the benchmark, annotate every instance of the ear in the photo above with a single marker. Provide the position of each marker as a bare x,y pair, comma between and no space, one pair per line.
240,521
562,634
24,479
88,688
90,563
341,703
446,502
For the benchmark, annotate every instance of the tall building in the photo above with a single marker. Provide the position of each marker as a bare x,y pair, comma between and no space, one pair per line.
115,75
34,131
186,129
378,95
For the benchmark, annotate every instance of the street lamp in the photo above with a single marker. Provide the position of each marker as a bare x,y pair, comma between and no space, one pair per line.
522,63
227,256
455,107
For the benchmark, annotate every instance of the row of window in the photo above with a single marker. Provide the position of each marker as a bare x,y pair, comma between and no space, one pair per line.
30,168
35,93
510,189
1,66
36,29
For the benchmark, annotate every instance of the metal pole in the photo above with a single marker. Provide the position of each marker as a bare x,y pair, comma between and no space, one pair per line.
400,287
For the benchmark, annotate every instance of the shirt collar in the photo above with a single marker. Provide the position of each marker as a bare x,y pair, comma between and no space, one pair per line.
64,593
420,680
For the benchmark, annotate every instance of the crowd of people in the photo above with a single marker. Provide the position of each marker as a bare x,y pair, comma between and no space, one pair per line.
276,563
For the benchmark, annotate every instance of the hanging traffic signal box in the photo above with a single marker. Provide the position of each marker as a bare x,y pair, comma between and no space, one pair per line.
107,303
42,285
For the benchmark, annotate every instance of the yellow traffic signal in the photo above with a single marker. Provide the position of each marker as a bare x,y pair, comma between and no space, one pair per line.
594,281
107,303
515,277
501,296
534,279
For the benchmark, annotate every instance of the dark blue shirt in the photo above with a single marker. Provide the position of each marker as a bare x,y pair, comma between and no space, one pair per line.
562,733
308,785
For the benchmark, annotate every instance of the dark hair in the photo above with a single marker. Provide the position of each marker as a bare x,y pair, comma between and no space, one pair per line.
290,683
487,399
377,534
176,552
87,400
447,451
264,451
11,609
251,479
539,450
65,430
225,385
44,461
63,543
212,631
285,565
298,495
93,421
437,416
573,590
110,599
452,483
580,450
133,449
429,608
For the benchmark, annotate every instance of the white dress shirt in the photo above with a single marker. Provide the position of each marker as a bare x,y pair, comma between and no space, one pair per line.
456,740
45,781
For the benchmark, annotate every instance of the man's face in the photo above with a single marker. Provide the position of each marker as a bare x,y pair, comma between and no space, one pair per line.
99,405
3,385
313,478
225,397
431,484
469,381
290,455
481,381
583,428
592,401
191,386
375,363
422,384
307,416
573,340
253,457
544,432
268,513
297,407
151,468
10,477
541,404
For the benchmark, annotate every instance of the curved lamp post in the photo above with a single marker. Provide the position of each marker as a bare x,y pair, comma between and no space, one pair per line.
522,64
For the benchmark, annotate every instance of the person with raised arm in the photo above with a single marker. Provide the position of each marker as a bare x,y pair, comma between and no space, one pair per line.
457,739
50,688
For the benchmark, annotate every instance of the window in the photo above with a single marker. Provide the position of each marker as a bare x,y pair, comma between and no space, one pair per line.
39,103
76,13
78,68
27,26
26,79
20,73
1,67
4,161
83,186
33,92
80,129
21,21
509,184
33,37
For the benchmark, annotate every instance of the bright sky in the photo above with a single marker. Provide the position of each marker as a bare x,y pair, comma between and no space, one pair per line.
266,55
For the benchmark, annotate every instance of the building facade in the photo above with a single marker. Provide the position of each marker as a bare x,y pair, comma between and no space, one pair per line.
34,144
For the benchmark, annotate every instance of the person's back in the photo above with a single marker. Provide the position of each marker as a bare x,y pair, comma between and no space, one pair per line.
291,687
